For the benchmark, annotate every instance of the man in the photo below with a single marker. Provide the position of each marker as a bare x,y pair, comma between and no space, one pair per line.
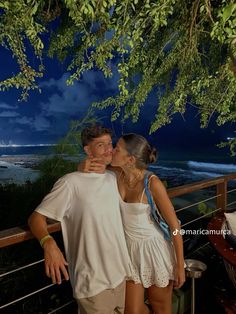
87,205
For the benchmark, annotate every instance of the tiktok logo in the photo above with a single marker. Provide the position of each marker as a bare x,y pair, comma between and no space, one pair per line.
175,232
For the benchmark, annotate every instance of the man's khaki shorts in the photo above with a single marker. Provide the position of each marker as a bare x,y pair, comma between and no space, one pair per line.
109,301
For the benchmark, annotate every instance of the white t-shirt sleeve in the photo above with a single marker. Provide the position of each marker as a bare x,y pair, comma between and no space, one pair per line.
57,203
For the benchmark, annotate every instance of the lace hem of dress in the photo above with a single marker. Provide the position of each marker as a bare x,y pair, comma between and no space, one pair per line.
149,278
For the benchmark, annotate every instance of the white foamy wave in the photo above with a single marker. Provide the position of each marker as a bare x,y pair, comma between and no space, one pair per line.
216,168
166,168
206,174
187,172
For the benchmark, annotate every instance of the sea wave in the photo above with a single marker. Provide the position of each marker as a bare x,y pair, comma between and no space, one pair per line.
177,176
187,173
212,167
206,174
166,168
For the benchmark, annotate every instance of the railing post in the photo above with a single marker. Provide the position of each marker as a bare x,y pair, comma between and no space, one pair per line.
221,190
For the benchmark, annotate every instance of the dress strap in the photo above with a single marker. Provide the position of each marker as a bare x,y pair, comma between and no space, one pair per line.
149,179
141,199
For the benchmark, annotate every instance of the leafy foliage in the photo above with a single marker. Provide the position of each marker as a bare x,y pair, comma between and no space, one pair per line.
204,209
231,144
185,49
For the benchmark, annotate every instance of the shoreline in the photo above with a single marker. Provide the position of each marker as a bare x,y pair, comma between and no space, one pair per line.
19,169
24,160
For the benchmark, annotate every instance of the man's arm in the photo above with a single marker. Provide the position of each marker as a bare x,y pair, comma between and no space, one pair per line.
55,263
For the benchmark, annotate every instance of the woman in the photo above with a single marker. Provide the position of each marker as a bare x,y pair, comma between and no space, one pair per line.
158,264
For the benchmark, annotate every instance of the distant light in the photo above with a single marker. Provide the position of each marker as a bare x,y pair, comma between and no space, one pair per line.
26,145
230,138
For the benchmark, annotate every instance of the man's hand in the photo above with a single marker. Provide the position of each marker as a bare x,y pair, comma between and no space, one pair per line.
92,165
55,263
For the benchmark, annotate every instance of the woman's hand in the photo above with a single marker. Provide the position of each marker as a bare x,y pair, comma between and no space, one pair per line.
92,165
179,276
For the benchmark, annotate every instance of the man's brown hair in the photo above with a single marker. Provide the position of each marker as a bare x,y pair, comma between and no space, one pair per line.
94,131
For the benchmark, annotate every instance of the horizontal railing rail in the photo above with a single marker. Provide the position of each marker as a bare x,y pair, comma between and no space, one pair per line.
21,234
197,203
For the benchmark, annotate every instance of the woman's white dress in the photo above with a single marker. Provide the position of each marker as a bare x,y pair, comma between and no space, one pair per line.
152,257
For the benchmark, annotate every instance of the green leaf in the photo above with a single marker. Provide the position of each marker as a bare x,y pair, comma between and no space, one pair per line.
227,12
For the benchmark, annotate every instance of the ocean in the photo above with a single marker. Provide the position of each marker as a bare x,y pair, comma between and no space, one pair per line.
187,166
16,162
17,150
177,167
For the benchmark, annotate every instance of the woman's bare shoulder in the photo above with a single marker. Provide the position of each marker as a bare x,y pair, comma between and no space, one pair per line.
156,183
154,178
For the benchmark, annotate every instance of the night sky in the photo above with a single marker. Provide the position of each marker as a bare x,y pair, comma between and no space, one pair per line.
45,117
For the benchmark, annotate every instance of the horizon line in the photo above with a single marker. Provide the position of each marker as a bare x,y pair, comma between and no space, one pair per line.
26,145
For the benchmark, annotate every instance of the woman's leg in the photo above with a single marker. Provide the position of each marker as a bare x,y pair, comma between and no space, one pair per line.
134,299
161,298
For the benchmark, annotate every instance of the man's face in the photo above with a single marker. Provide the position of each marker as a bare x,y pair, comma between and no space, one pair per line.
100,147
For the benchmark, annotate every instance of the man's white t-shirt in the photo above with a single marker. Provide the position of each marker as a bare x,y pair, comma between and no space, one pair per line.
87,205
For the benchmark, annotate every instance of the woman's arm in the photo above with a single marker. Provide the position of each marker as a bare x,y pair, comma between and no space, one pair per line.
167,211
91,165
96,165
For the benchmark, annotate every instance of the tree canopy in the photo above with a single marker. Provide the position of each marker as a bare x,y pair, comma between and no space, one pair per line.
184,50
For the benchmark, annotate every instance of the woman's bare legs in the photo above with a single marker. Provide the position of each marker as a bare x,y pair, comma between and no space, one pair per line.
161,298
134,299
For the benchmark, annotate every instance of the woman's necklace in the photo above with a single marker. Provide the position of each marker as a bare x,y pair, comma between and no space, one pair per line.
131,184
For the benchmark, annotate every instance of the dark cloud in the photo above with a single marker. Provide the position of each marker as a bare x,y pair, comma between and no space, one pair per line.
8,114
6,106
47,116
23,120
40,123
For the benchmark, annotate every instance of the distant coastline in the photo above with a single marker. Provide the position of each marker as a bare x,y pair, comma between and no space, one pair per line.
19,169
18,163
23,167
24,160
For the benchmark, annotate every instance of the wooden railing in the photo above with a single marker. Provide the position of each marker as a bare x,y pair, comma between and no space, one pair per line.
20,234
